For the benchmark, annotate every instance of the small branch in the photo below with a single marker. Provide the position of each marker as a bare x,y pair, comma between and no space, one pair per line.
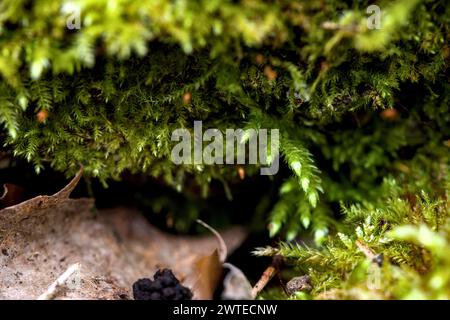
372,256
365,249
267,275
50,293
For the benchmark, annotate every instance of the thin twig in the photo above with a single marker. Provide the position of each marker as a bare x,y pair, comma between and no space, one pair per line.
50,293
264,280
365,249
377,259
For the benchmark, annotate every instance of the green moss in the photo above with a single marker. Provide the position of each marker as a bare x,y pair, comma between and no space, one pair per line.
355,106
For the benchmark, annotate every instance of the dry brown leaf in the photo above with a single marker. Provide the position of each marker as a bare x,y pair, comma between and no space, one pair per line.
41,237
209,270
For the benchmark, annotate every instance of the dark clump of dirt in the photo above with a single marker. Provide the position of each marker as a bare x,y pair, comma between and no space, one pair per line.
164,286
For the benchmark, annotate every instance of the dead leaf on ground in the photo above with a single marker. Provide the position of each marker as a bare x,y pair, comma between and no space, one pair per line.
210,269
41,237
